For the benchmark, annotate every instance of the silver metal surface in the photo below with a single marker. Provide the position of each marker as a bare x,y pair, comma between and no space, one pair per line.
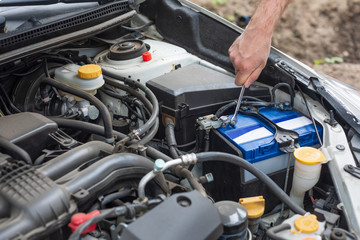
234,118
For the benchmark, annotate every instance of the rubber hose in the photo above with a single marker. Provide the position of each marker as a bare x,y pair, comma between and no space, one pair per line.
279,85
113,196
151,134
84,126
15,151
105,114
178,170
185,173
271,232
149,94
278,192
132,91
104,170
61,165
170,137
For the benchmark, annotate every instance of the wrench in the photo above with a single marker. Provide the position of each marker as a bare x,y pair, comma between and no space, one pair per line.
233,120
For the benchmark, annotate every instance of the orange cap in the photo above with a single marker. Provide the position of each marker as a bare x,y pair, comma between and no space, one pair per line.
309,155
89,71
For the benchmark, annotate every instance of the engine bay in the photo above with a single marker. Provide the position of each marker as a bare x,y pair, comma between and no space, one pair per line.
129,137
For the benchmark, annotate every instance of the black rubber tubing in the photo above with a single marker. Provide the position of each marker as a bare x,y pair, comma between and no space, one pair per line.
278,192
271,232
170,137
15,151
61,165
84,126
111,79
180,171
224,108
99,130
279,85
104,112
102,169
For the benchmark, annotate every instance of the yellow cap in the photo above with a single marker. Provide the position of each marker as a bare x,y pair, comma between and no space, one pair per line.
307,224
89,71
255,206
309,155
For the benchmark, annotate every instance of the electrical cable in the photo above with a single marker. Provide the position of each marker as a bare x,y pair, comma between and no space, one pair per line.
238,161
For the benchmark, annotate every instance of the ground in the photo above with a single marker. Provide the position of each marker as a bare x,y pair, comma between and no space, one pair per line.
311,31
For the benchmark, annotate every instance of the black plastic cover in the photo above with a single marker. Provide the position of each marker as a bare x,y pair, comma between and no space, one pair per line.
194,91
182,216
29,131
31,204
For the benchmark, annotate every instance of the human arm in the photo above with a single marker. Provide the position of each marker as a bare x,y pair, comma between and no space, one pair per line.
250,50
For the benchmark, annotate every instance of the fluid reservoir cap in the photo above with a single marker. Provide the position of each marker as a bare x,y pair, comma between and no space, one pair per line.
307,224
89,71
309,155
255,206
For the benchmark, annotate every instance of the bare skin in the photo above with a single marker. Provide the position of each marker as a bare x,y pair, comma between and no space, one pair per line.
251,49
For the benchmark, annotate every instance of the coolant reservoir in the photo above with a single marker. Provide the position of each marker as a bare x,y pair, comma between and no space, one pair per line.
303,227
87,77
306,172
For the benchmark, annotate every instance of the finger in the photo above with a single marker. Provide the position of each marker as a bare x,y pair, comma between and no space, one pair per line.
253,76
241,78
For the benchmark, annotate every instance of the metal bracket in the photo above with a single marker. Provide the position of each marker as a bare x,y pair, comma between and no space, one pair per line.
209,122
287,139
355,171
63,139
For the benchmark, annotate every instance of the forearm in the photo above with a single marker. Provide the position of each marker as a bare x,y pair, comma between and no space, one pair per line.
250,50
266,15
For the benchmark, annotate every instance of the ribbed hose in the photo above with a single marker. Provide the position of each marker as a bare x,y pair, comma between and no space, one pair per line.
104,112
278,192
61,165
15,151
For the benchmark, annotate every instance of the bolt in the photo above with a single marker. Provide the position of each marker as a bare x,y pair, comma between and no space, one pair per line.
179,19
159,164
340,147
209,177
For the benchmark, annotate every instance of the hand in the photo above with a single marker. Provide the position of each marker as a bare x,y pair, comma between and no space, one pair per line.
249,54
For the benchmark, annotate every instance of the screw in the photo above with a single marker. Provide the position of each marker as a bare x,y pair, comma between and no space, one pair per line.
340,147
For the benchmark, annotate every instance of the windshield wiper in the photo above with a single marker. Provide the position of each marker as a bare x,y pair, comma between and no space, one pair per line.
8,3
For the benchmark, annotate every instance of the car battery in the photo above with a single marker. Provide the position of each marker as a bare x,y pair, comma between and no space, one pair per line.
256,140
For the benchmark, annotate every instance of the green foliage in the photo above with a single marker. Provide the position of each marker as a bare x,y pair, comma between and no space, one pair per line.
218,2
